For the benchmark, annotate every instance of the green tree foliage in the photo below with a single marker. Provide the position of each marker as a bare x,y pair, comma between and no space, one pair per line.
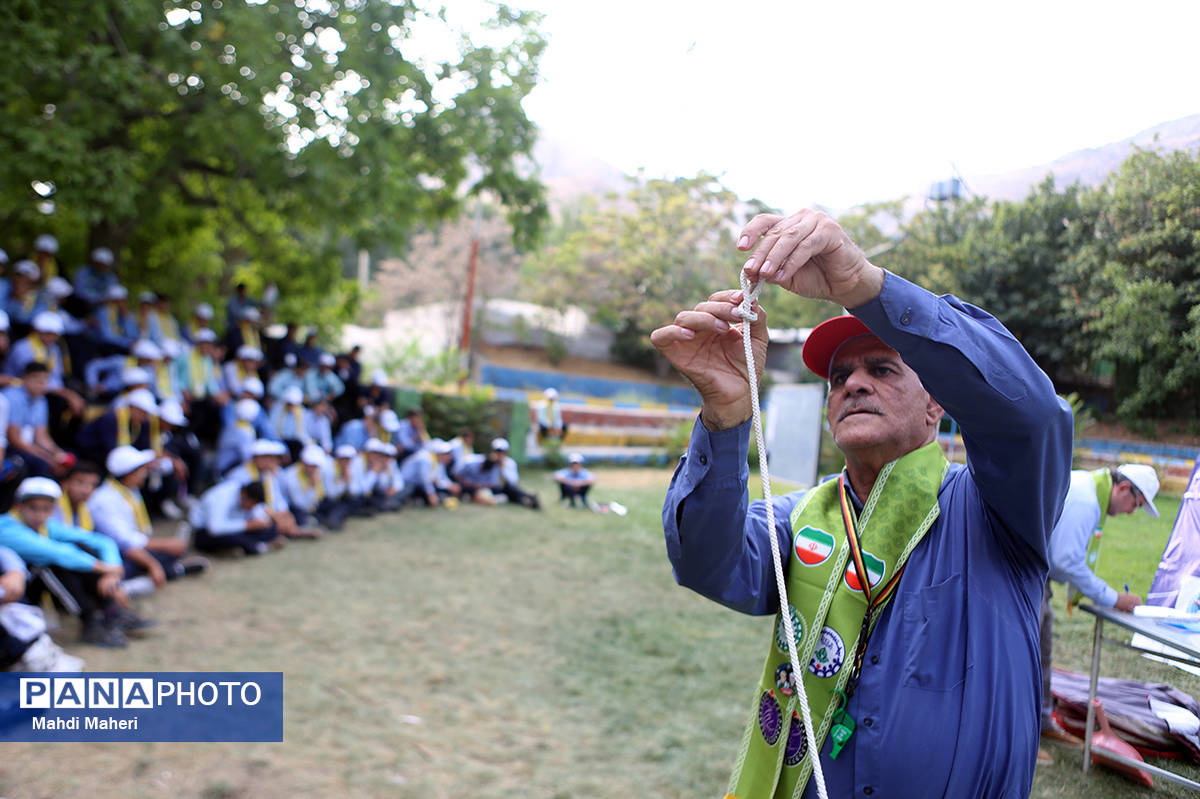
634,261
1137,284
227,139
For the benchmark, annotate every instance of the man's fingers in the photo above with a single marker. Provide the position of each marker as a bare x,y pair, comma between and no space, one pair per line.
664,337
755,228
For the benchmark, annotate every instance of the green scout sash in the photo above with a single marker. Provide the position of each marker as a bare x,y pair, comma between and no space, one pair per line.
1104,487
830,612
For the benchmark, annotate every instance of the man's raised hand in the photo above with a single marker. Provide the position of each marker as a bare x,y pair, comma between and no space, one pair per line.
705,345
809,254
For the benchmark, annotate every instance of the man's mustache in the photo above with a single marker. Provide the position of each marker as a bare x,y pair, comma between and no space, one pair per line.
860,407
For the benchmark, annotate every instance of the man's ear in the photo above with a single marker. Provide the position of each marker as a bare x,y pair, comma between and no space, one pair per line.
934,412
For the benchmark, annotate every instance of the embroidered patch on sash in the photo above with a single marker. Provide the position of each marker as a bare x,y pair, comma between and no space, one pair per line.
783,679
797,742
770,718
875,570
813,546
781,631
830,653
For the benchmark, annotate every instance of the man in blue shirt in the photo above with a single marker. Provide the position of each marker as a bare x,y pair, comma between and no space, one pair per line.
946,694
574,481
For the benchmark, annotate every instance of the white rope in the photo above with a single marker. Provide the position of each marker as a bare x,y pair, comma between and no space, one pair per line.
749,295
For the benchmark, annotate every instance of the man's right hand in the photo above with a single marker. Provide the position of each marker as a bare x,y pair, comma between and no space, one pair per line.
1127,602
705,345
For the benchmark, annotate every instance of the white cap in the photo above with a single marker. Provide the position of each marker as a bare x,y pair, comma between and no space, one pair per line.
38,487
248,353
205,335
369,411
551,393
379,378
375,445
345,451
48,322
46,243
3,257
124,460
289,359
389,421
3,321
293,395
574,457
203,310
146,349
59,287
135,376
327,359
102,255
171,348
116,293
263,447
390,449
171,412
1145,479
252,386
147,297
439,446
500,444
143,399
246,410
29,269
313,455
251,314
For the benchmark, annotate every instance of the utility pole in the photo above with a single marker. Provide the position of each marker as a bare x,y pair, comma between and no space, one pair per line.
464,344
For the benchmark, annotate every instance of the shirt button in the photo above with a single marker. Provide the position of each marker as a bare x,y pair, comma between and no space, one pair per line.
703,460
868,722
868,790
874,660
906,317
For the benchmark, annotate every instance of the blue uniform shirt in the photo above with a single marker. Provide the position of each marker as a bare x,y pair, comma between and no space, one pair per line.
949,696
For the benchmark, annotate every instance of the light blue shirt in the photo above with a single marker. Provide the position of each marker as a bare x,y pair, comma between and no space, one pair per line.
115,518
26,412
1069,540
220,510
949,698
21,355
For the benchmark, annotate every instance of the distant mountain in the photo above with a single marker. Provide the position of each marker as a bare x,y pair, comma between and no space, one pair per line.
1089,167
568,174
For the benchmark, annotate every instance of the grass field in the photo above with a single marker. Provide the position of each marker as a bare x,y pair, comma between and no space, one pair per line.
486,653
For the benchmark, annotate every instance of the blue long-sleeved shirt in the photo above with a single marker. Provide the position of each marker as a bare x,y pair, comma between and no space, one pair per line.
60,548
948,700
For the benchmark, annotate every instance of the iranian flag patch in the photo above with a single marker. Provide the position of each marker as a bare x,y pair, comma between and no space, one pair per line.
813,546
875,570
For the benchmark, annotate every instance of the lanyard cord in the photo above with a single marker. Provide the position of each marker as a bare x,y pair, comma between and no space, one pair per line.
749,295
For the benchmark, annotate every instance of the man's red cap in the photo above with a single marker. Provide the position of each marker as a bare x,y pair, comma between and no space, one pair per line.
824,340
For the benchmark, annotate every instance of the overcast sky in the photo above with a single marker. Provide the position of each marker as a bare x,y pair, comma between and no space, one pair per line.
845,102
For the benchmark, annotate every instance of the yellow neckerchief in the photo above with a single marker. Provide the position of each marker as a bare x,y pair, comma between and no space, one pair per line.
48,356
136,504
29,300
80,517
199,368
114,317
298,422
383,435
162,379
268,485
249,335
126,434
308,485
241,372
167,325
49,266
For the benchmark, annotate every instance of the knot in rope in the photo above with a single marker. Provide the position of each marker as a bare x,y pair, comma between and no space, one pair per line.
750,294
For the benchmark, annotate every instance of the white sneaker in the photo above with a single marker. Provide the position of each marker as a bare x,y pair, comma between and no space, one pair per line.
44,655
171,510
138,586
